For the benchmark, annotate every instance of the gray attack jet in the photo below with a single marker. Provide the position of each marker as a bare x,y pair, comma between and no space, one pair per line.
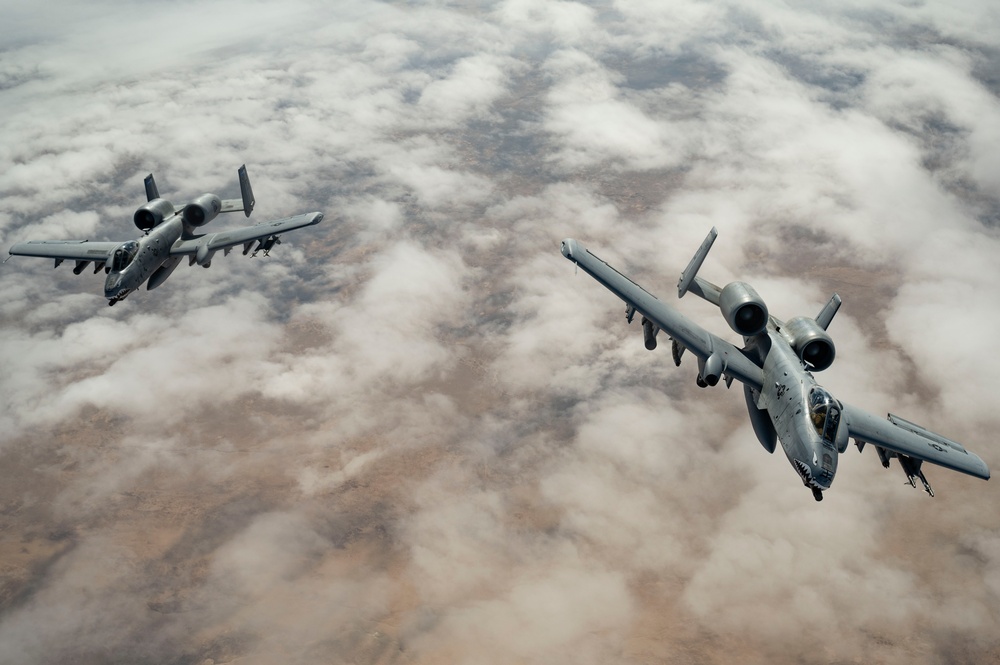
169,237
776,366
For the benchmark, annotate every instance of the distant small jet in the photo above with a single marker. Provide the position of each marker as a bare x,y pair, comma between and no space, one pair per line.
775,366
169,236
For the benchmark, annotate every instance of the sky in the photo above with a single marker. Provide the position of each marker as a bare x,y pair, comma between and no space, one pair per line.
414,433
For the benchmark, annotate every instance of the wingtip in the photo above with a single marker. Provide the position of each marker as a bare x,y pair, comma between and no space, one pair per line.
983,470
569,248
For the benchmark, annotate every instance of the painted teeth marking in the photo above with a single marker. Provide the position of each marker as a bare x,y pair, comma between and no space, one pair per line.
806,474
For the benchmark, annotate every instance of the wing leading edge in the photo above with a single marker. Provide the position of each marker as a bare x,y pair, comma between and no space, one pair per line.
212,242
905,438
61,250
687,333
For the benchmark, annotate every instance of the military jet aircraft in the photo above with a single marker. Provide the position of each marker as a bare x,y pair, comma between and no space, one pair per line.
169,236
776,366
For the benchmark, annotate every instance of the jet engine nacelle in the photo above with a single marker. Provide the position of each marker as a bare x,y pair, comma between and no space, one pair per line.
152,214
743,309
202,210
811,343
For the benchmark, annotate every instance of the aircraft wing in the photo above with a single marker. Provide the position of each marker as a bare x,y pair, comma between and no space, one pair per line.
246,235
62,250
687,333
905,438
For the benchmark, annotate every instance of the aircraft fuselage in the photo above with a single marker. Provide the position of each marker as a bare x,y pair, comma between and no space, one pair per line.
803,415
148,255
776,366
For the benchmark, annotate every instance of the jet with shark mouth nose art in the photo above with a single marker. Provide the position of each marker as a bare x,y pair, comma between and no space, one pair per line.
169,236
776,366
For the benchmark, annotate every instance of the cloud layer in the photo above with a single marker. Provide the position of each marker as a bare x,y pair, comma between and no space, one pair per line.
412,434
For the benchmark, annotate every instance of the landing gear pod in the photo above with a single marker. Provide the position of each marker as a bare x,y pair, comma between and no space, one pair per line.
711,370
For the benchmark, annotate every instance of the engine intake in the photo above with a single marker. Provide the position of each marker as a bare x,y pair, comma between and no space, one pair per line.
202,210
811,343
152,214
743,309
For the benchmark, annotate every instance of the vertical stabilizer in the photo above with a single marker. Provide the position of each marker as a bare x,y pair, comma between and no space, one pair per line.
246,200
245,190
829,310
687,277
151,192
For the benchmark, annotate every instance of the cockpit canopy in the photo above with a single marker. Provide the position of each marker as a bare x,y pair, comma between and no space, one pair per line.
124,255
824,411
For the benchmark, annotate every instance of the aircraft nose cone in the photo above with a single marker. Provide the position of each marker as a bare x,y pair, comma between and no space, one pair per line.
813,476
113,286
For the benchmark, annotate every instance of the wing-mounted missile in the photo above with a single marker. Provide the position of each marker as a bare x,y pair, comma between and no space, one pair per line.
910,465
676,351
80,267
267,243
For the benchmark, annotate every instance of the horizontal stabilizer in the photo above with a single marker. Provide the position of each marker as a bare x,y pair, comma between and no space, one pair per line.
676,351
